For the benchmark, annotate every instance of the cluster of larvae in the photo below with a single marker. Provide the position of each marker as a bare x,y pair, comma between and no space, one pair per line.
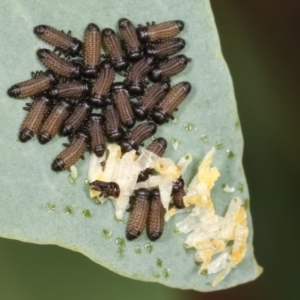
80,79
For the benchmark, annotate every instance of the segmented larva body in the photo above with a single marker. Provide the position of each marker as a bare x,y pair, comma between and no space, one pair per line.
32,87
138,217
114,131
33,120
158,147
137,74
163,111
121,97
58,39
137,135
155,221
162,31
169,68
80,113
73,89
54,121
165,48
178,193
153,95
72,153
114,49
95,127
134,49
92,50
106,189
59,66
102,85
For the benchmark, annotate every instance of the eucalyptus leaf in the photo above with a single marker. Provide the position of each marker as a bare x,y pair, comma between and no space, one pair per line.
39,206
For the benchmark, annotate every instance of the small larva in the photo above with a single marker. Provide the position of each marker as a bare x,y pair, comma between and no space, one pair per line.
95,127
54,121
33,121
29,88
160,31
169,68
138,217
80,113
72,153
58,39
73,89
91,50
163,111
113,127
136,136
155,221
59,66
120,97
178,193
134,49
106,189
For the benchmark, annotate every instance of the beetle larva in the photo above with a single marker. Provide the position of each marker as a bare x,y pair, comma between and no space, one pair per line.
137,135
165,48
137,74
73,89
106,189
134,49
163,111
138,217
120,96
113,127
72,153
153,95
158,147
58,39
169,68
33,121
91,50
54,121
34,86
155,221
162,31
59,66
178,193
80,113
95,127
102,85
114,49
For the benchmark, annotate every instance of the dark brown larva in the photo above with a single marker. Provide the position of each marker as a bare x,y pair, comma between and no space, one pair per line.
138,217
58,39
120,96
178,193
137,74
91,49
33,121
153,95
102,85
169,68
52,124
106,189
165,48
114,131
137,135
155,221
162,31
158,147
59,66
72,153
114,49
34,86
134,49
163,111
80,113
95,127
73,89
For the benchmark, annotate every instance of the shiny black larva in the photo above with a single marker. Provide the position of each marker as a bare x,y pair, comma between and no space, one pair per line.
106,189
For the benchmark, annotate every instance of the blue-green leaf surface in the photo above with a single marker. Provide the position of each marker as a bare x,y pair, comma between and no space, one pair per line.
40,206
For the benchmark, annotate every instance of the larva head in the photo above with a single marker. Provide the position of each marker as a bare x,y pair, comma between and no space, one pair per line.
139,112
178,185
58,165
155,75
40,29
76,47
114,189
142,33
77,71
124,23
44,137
162,142
180,42
121,64
107,32
116,135
82,136
136,88
50,75
126,145
180,24
90,72
97,118
135,54
42,53
25,135
92,27
142,192
97,101
118,86
158,116
14,91
106,65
